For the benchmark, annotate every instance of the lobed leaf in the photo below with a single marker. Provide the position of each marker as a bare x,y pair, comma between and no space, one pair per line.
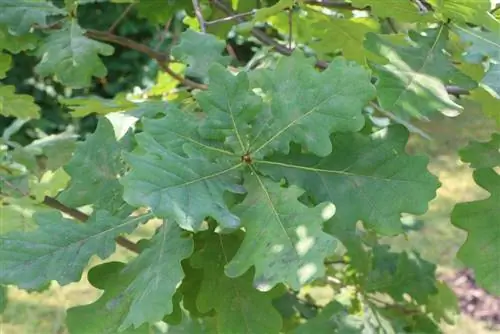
17,105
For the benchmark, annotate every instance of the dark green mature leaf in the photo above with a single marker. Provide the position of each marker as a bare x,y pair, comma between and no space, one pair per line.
72,57
17,105
105,315
284,239
199,51
307,106
398,274
483,155
16,44
367,178
20,15
142,291
3,298
481,220
95,168
238,306
230,107
186,189
413,80
59,249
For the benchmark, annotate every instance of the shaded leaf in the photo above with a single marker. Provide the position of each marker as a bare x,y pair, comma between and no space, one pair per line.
5,64
483,154
17,105
72,57
16,43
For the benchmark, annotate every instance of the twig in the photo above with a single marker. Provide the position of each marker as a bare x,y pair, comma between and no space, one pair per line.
421,6
230,18
77,214
399,120
121,17
199,16
182,80
320,64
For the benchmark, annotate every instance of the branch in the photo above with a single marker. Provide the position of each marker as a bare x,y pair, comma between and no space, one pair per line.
77,214
229,18
160,57
332,4
199,16
282,49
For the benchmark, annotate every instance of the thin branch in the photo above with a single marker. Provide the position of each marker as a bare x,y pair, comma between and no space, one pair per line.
230,18
421,6
53,203
121,17
182,80
320,64
199,16
495,9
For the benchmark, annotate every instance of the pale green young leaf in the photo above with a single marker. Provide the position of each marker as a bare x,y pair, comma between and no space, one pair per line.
368,178
466,11
199,51
481,220
48,184
413,82
405,11
83,106
95,169
72,57
16,44
444,304
183,188
17,214
59,249
17,105
263,13
306,106
488,103
483,154
238,306
159,12
5,64
20,15
284,240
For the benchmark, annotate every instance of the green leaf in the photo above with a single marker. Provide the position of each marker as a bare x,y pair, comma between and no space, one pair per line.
483,155
307,106
230,107
3,298
20,15
239,308
398,274
284,240
186,189
160,12
444,304
492,79
105,315
143,289
16,44
199,51
413,81
72,57
263,13
366,178
17,214
95,169
405,11
489,104
466,11
480,43
480,220
349,36
5,64
83,106
332,319
59,249
17,105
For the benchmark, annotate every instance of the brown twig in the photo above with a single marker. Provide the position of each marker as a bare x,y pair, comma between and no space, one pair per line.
199,16
230,18
121,17
332,4
53,203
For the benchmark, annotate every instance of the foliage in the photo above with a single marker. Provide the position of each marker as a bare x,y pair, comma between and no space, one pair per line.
268,173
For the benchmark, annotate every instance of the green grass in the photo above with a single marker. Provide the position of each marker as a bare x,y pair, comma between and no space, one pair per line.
438,240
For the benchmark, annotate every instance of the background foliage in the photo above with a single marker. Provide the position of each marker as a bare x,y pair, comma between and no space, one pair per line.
117,112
